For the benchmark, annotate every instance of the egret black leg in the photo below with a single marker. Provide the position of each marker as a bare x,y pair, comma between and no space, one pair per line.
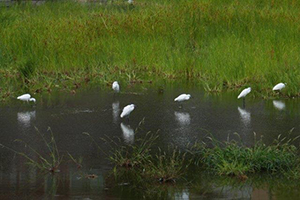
244,103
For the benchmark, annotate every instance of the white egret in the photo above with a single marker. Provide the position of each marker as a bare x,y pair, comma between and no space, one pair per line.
128,133
26,97
244,93
127,110
182,97
32,99
279,87
130,1
116,86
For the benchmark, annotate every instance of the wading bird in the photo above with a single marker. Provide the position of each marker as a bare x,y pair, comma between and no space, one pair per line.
127,110
243,94
182,97
115,86
130,1
279,87
26,97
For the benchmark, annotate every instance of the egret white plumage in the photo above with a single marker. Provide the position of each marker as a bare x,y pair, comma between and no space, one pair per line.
127,110
116,86
279,87
32,99
244,93
26,97
130,1
182,97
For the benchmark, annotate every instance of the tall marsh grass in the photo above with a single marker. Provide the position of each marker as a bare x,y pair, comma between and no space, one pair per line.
222,44
234,158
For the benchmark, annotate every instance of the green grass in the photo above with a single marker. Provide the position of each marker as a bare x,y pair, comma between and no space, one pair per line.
236,159
224,45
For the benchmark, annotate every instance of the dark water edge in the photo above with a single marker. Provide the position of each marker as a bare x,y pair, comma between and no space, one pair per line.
97,112
74,184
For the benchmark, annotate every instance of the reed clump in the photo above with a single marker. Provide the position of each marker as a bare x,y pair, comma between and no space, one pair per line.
224,45
236,159
142,165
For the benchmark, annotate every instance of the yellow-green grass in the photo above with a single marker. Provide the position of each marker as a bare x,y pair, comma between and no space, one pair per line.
224,45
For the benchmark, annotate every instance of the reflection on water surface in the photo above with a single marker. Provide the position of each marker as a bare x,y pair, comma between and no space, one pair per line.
98,114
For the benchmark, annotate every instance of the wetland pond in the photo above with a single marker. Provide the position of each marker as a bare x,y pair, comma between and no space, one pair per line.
97,113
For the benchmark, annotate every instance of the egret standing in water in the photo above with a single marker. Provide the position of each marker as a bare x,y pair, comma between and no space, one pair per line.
115,86
182,97
243,94
127,110
26,97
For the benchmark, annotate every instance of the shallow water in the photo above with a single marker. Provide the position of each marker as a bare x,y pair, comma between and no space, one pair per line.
97,113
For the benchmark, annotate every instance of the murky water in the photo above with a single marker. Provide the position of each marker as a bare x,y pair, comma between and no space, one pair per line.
98,113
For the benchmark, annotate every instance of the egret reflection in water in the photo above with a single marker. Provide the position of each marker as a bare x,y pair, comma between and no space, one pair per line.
128,133
183,118
245,116
24,118
115,111
184,195
280,105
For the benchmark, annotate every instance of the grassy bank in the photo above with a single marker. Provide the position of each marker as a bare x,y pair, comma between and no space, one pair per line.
223,45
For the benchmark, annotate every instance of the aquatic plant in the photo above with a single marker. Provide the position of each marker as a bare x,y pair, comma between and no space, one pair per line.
237,159
134,155
168,167
45,162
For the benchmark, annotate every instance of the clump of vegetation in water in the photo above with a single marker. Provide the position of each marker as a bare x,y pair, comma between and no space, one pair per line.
224,45
139,160
140,163
168,166
236,159
134,155
45,162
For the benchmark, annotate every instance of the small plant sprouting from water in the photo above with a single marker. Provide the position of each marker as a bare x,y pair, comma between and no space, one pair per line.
236,159
77,161
167,167
49,162
133,155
